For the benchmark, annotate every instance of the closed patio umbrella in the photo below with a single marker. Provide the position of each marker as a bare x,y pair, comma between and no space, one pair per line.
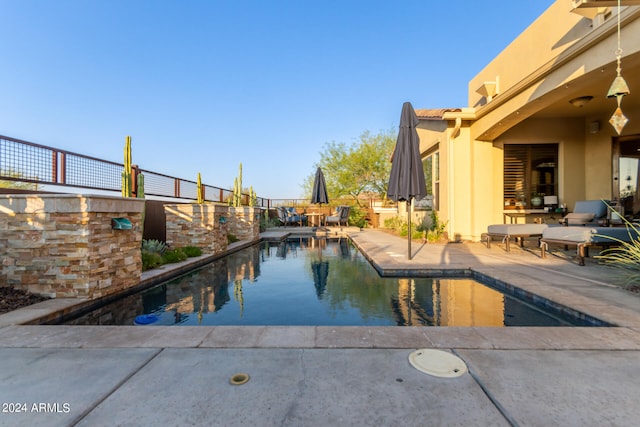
319,191
406,181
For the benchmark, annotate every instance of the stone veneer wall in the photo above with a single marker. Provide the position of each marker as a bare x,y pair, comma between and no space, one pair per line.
64,245
244,223
197,225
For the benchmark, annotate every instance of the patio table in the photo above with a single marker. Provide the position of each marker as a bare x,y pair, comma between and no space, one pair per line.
315,219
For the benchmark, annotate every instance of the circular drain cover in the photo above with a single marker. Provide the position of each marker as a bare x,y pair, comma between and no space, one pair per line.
437,363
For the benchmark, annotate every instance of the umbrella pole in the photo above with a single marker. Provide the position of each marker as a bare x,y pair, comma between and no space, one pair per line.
409,229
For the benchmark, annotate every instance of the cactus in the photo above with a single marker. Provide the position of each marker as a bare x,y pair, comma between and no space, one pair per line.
235,199
200,192
253,197
127,182
140,187
154,246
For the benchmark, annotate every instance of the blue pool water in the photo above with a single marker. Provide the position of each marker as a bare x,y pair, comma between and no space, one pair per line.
312,281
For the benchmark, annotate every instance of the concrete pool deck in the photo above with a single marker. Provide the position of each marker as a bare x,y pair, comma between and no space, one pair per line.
128,375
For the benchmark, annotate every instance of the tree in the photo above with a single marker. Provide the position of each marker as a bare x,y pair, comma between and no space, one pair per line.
16,185
360,168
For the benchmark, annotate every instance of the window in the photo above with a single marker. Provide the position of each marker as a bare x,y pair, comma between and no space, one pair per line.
431,167
529,170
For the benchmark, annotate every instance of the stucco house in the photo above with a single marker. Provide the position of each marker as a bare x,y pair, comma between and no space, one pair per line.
538,122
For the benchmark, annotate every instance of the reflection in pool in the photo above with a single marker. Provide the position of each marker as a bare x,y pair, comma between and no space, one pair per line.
313,281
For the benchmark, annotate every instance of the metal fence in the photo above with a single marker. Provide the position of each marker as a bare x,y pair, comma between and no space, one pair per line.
25,162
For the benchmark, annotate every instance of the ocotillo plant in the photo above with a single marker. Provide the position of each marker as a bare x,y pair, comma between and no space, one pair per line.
200,195
127,182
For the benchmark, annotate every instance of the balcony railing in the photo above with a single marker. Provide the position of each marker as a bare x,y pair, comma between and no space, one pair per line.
49,169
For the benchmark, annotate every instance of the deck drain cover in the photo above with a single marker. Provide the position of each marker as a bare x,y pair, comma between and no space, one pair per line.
239,379
437,363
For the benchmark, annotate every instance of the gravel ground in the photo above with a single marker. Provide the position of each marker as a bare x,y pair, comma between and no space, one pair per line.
12,299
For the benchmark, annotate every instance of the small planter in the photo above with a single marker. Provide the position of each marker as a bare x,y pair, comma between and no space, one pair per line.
536,201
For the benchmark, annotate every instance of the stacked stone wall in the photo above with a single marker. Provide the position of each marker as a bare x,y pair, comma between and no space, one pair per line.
197,225
65,246
244,223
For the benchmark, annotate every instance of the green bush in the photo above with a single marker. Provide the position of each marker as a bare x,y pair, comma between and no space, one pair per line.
436,229
430,229
191,251
175,255
151,260
231,238
357,217
395,224
267,222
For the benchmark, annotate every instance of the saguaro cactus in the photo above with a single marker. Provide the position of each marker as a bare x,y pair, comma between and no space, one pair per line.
127,182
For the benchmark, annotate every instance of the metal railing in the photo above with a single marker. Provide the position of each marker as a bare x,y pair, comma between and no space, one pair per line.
27,162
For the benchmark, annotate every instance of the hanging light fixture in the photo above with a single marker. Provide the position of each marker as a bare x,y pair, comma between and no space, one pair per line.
619,88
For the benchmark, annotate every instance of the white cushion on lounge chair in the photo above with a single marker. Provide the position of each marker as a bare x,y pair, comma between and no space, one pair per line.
516,229
569,234
578,218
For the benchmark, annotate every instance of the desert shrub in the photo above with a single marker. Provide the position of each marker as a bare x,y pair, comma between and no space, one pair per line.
395,224
436,228
231,238
151,260
191,251
625,256
267,222
358,217
174,255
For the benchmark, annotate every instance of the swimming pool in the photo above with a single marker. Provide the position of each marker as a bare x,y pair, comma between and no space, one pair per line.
309,281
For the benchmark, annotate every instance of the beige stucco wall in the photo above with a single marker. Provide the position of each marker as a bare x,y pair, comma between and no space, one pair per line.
537,45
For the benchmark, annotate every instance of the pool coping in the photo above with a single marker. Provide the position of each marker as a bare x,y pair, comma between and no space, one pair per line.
22,328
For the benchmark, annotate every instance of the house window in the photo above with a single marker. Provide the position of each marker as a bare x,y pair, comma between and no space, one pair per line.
529,170
431,167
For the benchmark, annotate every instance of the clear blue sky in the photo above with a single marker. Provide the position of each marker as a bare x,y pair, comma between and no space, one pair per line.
202,85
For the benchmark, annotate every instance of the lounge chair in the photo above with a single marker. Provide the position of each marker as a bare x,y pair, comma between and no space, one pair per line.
517,231
582,237
339,217
586,212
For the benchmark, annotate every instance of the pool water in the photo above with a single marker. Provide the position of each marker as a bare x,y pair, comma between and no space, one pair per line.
311,281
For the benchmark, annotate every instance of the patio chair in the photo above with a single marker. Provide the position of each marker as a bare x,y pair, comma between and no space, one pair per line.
339,217
289,216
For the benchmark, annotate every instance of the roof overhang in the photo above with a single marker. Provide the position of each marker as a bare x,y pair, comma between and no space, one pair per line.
582,4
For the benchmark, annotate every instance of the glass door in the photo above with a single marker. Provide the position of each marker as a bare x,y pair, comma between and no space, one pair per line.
626,171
